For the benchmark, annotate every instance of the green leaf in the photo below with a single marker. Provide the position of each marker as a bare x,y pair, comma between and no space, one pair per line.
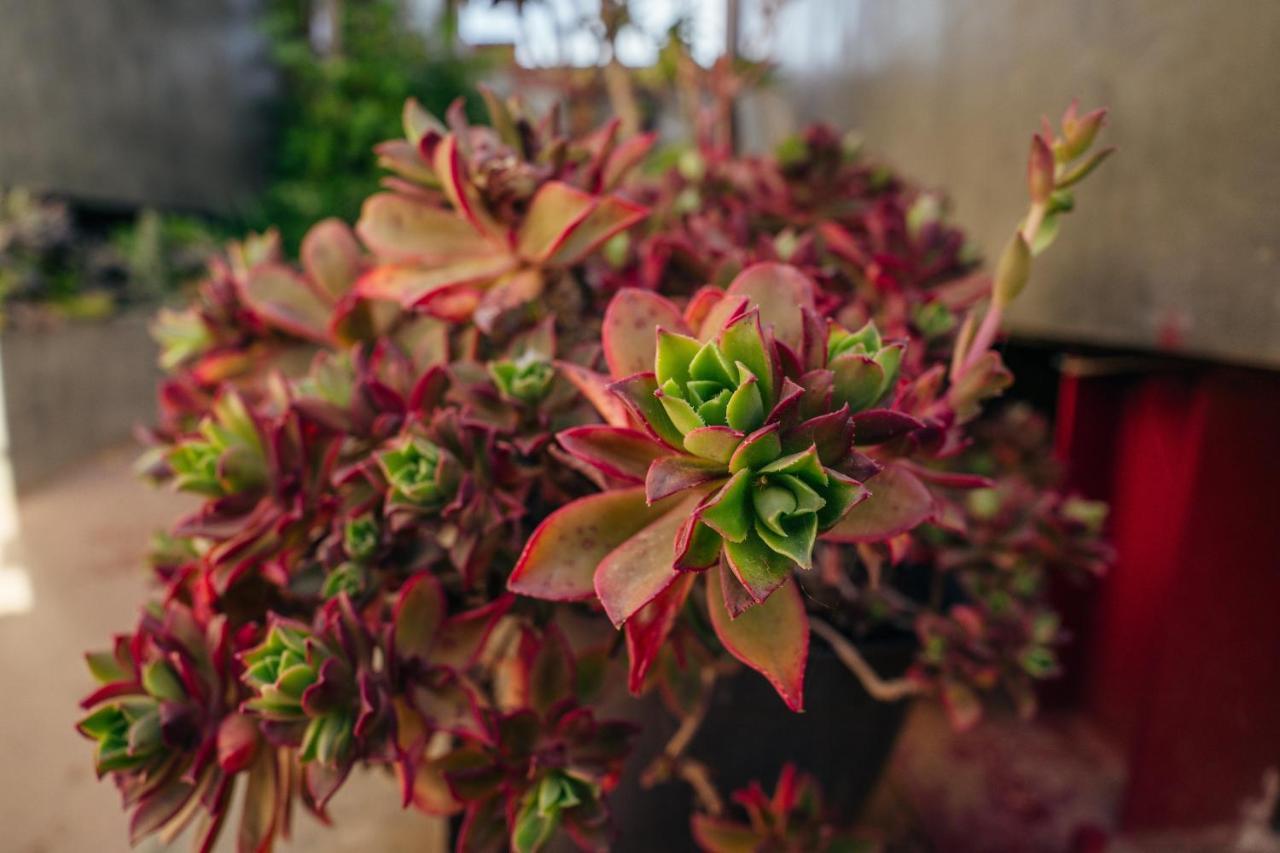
675,354
795,542
898,503
760,568
745,411
742,341
727,513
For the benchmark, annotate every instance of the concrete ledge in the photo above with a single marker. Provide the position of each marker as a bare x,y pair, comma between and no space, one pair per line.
72,390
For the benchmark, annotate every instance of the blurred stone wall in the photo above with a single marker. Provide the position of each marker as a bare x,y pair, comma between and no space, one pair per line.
1175,242
133,101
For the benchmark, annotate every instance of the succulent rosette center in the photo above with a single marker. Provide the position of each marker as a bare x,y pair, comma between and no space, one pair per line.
725,383
419,472
298,680
526,378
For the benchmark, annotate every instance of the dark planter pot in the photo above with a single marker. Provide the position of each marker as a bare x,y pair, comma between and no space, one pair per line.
843,738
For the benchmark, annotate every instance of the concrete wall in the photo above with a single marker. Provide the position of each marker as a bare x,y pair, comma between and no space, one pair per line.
74,390
1177,240
132,101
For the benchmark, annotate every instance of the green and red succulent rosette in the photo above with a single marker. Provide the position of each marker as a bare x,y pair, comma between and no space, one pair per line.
743,426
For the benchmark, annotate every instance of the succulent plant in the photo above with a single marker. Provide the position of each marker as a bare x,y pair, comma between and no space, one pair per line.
533,398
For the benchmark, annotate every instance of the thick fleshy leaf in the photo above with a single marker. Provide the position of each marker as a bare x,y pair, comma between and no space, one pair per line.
630,330
831,434
758,567
399,228
625,156
594,387
642,566
781,292
284,300
674,354
898,503
609,216
727,511
858,380
698,545
672,474
419,611
411,285
449,169
331,257
743,341
617,451
716,443
637,394
876,426
771,638
554,212
757,450
560,559
461,637
648,629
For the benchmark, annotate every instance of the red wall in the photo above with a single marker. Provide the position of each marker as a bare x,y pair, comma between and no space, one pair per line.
1179,650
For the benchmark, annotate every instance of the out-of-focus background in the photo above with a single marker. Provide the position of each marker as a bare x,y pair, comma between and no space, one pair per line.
137,136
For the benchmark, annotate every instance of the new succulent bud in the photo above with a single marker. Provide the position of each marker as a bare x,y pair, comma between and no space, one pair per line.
725,382
227,458
296,678
865,366
127,733
420,473
361,538
526,378
541,808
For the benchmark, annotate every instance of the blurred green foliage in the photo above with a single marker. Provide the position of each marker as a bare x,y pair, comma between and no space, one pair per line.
337,103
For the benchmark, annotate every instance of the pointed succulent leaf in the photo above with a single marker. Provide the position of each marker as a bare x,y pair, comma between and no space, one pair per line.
671,474
782,293
285,301
331,257
414,286
617,451
399,228
716,443
639,394
859,380
629,332
610,216
556,209
727,510
647,629
418,614
745,410
757,566
757,450
771,637
898,503
743,341
642,566
447,161
675,354
559,561
876,426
